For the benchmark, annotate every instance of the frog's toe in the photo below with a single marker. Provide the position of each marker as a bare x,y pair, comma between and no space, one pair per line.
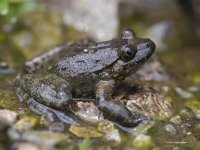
132,121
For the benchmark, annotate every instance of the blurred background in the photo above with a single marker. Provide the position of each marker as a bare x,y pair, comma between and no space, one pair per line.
30,27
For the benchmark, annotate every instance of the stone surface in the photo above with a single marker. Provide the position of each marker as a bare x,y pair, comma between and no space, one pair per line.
7,116
29,146
98,18
151,104
89,112
42,138
170,128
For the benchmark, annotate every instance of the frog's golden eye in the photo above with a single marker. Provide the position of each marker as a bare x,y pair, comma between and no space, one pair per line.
128,34
127,52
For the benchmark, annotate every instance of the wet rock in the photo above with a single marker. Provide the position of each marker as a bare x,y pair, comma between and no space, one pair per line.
151,104
143,141
89,112
110,132
82,13
25,123
8,117
183,93
45,121
85,132
169,128
105,129
176,120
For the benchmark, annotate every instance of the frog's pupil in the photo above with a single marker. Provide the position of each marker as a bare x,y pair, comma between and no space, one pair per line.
128,51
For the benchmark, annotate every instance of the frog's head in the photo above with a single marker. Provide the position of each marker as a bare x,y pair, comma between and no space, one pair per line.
134,52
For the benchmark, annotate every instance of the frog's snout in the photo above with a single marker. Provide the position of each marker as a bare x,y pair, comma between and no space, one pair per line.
144,50
151,45
147,44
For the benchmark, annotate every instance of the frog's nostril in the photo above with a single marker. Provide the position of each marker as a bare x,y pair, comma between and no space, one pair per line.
147,44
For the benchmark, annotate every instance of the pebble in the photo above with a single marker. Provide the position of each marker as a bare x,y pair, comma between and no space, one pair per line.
170,128
28,146
143,141
176,120
183,93
7,116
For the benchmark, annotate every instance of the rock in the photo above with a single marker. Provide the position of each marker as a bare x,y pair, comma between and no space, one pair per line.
5,68
89,112
42,138
8,117
82,13
151,104
57,126
85,132
105,129
29,146
169,128
186,114
26,123
183,93
143,141
176,120
110,132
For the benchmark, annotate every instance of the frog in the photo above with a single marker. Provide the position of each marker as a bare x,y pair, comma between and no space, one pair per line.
86,70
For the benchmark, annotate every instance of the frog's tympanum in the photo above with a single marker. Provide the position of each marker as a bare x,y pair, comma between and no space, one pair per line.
86,70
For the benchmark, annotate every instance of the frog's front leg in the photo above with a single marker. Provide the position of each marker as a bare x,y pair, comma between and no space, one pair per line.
114,111
49,90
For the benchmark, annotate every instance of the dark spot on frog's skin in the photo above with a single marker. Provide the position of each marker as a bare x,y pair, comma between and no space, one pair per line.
63,68
96,61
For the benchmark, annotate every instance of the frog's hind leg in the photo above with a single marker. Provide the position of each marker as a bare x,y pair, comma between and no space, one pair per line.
66,117
49,90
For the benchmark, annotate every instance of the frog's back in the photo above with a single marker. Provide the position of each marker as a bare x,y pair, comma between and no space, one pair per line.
86,62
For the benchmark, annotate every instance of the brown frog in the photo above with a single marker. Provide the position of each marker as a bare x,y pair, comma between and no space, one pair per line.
86,70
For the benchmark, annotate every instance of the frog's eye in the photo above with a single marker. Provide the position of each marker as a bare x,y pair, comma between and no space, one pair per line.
127,52
128,34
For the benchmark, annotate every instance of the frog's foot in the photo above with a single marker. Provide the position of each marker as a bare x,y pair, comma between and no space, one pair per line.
114,111
119,113
66,117
49,90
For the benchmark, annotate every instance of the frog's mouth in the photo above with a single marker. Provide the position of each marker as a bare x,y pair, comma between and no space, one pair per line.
144,52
